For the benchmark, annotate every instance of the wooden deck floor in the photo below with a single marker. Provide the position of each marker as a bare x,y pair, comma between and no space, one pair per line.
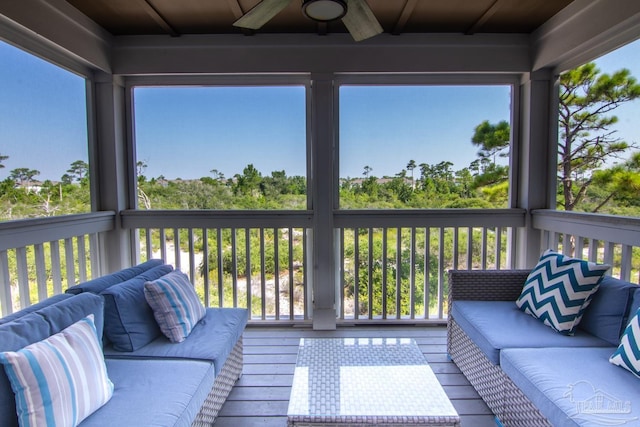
261,397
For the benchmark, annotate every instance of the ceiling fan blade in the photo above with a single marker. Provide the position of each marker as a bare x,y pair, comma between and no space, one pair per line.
261,13
360,20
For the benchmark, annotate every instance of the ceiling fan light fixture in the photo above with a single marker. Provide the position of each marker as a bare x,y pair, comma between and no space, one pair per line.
324,10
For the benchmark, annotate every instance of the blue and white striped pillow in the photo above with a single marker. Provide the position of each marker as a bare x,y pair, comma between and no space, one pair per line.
61,380
175,304
628,353
559,289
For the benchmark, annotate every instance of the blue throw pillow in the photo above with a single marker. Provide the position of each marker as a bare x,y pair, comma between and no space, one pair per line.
128,320
628,353
558,290
176,306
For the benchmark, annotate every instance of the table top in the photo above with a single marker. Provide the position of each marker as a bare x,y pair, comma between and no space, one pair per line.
369,380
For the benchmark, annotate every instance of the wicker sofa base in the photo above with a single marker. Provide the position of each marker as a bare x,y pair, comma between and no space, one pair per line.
226,379
485,377
518,409
511,407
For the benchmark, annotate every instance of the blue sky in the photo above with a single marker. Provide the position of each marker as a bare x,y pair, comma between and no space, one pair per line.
186,132
43,122
386,127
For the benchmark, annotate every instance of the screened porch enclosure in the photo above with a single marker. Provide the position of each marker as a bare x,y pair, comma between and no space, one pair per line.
322,265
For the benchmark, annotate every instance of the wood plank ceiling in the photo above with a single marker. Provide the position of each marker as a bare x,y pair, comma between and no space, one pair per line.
175,18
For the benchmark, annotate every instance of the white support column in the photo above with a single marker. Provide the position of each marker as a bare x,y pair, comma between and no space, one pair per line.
323,188
537,158
109,166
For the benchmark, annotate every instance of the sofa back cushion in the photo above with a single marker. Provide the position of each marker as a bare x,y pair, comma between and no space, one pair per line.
129,321
98,285
35,307
67,312
608,314
37,326
634,305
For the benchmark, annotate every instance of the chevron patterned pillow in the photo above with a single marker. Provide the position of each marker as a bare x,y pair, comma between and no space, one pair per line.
628,353
559,289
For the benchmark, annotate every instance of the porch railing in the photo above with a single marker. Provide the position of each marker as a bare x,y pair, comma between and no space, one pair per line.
394,263
391,265
42,257
609,239
396,259
249,259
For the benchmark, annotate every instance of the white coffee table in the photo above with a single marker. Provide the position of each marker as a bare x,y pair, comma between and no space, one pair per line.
366,382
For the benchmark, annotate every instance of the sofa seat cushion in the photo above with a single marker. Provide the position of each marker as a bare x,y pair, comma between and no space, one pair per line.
212,339
154,393
496,325
574,386
101,283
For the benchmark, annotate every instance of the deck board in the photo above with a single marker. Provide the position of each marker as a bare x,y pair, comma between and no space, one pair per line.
261,396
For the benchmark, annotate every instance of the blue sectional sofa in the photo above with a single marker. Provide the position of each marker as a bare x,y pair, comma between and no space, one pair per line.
528,373
155,382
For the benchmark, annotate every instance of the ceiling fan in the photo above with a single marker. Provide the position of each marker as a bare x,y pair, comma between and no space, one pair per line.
355,14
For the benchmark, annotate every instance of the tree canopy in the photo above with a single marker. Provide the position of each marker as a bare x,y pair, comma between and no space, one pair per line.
587,141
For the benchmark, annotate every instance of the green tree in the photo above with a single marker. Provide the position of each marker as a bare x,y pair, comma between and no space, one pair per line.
78,170
23,176
620,183
493,139
2,159
586,139
437,178
278,184
410,167
248,183
140,168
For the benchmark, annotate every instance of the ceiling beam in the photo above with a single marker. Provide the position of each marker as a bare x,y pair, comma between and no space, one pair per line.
485,17
309,53
157,17
406,13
